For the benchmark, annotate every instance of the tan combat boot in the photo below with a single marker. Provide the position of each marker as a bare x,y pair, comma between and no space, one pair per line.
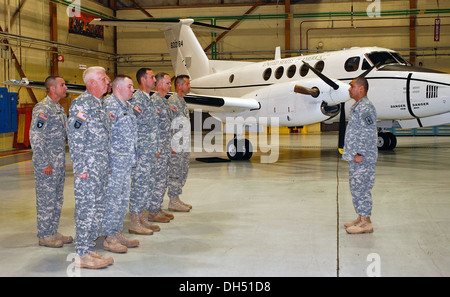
158,217
175,204
129,243
91,262
112,244
365,226
148,225
51,241
355,222
109,260
64,239
136,227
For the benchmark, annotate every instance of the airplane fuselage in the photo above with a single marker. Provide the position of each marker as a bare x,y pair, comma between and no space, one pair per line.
398,91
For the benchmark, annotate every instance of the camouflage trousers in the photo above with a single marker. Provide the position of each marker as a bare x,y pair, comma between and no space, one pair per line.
142,182
117,196
49,200
178,172
362,180
90,198
161,181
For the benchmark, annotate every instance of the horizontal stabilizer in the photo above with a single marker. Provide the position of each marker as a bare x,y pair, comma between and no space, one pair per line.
155,24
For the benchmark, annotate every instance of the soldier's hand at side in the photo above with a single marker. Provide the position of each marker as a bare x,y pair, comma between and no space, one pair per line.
358,158
83,175
48,170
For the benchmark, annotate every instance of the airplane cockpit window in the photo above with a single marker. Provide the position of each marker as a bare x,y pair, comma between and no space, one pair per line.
291,71
319,66
365,65
304,70
384,58
267,73
279,72
352,64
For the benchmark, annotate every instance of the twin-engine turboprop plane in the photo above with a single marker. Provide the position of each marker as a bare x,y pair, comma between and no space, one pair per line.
302,90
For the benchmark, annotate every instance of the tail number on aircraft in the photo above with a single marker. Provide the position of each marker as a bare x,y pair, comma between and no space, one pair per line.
176,44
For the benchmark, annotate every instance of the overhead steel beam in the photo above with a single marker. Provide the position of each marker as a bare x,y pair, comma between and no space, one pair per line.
233,25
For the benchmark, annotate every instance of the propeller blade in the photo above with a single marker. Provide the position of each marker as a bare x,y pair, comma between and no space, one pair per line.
362,75
307,91
342,129
323,77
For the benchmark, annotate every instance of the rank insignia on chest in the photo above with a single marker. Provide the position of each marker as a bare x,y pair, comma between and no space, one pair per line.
174,108
43,116
82,115
137,109
158,110
111,116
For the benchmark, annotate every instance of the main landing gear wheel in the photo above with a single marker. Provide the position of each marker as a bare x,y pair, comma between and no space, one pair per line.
386,141
239,149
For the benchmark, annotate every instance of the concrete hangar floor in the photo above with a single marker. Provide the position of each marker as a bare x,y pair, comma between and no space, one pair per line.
282,219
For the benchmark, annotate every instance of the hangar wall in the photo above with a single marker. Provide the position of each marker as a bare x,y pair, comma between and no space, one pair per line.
328,25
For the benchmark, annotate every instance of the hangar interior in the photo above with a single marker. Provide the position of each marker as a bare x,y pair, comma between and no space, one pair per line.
280,219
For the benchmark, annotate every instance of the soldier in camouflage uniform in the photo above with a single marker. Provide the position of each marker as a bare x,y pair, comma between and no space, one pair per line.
143,176
181,130
123,158
361,152
89,143
163,85
48,135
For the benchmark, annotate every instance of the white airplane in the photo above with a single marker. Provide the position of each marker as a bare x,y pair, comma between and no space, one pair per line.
298,94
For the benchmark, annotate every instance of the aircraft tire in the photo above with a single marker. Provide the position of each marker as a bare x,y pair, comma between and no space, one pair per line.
232,150
386,141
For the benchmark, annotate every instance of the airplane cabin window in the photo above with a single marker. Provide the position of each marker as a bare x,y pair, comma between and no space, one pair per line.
291,71
231,79
352,64
319,66
267,73
279,72
304,70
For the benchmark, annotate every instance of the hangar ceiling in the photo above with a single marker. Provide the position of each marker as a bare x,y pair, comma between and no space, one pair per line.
127,4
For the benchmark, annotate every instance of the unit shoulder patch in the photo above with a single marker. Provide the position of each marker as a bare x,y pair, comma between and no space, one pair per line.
368,119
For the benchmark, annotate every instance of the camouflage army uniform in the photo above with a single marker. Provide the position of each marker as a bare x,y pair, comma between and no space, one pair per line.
181,130
123,158
143,176
361,138
162,164
48,135
89,143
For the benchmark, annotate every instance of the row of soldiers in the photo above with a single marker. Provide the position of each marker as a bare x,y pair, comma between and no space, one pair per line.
123,156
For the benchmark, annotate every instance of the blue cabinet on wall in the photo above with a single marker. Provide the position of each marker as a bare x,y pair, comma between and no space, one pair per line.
8,111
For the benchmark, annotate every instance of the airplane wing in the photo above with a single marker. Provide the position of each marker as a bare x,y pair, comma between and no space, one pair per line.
219,104
71,88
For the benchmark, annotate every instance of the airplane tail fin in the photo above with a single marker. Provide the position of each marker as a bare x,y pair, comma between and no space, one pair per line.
185,51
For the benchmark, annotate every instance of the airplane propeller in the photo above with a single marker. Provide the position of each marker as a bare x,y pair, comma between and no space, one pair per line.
314,92
307,91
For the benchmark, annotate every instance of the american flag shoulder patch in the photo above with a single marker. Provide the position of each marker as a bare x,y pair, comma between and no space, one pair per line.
137,109
43,116
82,115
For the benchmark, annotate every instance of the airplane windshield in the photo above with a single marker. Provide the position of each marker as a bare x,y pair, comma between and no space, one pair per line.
384,58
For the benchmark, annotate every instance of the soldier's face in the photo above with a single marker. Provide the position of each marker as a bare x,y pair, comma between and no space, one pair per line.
149,79
127,89
185,87
166,84
355,90
102,82
60,88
